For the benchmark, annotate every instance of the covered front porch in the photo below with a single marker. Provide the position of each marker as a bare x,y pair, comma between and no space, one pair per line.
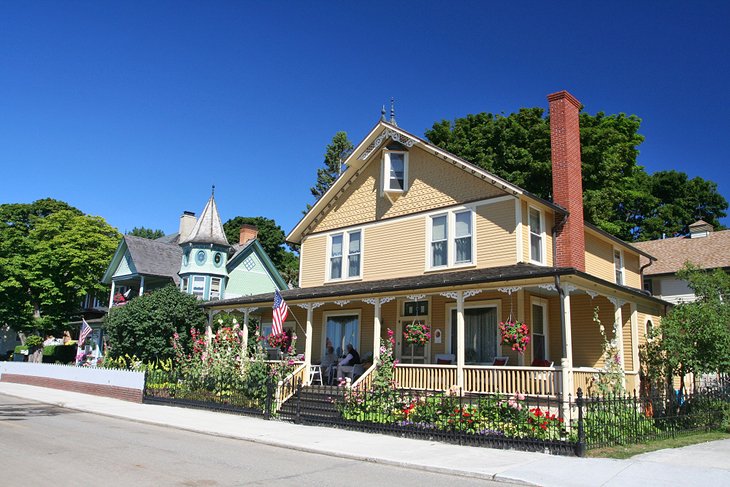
565,350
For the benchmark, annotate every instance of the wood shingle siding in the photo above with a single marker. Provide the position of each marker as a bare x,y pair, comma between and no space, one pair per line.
432,183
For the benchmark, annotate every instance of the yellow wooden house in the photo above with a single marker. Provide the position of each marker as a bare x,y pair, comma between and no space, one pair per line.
411,233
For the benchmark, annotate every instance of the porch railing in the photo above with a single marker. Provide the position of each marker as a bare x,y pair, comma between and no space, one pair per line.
533,381
425,376
583,379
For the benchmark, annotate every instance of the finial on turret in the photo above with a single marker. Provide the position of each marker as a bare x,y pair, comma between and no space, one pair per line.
392,111
382,114
212,191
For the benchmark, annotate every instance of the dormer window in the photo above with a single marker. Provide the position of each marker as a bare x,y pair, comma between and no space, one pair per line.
395,171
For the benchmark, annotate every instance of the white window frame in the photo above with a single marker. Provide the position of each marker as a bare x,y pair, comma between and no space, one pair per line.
491,303
216,295
345,258
541,235
345,312
450,239
543,303
385,176
199,279
622,270
184,284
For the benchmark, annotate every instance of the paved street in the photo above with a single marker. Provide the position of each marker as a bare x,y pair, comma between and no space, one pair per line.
50,445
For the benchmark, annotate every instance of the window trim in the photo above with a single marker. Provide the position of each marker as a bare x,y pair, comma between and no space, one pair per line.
220,288
344,312
192,288
385,172
184,284
450,239
490,303
623,267
543,303
542,236
345,258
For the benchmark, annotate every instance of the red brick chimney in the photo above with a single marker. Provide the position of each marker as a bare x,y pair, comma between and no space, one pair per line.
248,232
567,178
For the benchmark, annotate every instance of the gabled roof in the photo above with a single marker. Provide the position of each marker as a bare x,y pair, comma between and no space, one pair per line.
375,139
208,229
254,246
150,258
710,252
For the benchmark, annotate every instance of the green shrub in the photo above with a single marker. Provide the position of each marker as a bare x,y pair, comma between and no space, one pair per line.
34,341
21,348
53,354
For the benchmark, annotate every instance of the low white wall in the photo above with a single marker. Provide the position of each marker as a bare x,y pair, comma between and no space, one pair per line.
91,375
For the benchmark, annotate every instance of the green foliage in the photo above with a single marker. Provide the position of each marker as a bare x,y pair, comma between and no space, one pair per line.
144,325
34,341
21,348
610,379
336,153
146,233
695,337
619,196
271,237
51,256
64,354
616,422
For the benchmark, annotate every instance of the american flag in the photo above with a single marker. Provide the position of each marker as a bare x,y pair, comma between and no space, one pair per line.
85,332
281,311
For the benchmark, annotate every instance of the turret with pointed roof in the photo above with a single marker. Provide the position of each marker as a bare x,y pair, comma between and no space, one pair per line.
208,229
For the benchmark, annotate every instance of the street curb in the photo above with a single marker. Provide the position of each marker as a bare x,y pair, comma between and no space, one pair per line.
290,446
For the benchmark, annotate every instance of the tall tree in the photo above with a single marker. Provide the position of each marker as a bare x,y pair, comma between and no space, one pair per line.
51,256
146,233
619,196
271,237
337,151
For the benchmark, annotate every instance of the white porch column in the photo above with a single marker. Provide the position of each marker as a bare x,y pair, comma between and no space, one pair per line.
618,323
308,342
376,331
111,295
520,317
635,342
244,332
460,339
566,362
141,285
209,328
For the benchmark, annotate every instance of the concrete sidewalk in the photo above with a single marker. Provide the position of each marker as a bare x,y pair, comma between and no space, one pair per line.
699,465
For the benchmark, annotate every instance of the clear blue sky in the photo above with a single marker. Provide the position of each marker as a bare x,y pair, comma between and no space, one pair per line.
132,110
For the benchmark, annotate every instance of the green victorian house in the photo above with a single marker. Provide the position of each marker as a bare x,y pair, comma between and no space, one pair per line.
198,259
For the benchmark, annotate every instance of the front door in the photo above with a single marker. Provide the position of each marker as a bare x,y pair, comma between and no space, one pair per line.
412,313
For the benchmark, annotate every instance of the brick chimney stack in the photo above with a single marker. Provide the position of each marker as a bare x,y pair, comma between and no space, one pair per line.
567,178
248,232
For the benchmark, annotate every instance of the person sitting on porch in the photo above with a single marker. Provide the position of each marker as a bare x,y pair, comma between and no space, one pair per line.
347,364
328,364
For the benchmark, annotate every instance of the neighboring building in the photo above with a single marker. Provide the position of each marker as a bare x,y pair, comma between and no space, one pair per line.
703,247
411,233
198,259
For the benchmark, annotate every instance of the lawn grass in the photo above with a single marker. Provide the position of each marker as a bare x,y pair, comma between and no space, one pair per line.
627,451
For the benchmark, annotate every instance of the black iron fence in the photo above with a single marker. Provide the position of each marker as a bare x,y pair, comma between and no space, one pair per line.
516,422
215,392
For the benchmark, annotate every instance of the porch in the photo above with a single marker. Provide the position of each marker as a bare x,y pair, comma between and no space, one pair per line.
463,320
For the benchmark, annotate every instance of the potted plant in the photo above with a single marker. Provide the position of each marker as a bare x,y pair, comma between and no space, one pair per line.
416,333
515,334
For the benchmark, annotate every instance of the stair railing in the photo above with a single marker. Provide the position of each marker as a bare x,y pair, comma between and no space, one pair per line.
287,387
365,380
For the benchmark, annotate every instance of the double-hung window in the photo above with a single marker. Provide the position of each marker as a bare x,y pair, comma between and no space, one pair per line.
539,331
199,286
395,171
452,239
345,255
618,264
215,288
537,237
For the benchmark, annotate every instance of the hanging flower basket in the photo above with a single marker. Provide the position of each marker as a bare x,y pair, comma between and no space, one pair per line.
515,334
280,341
417,333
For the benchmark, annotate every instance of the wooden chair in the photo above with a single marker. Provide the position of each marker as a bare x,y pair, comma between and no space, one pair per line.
315,374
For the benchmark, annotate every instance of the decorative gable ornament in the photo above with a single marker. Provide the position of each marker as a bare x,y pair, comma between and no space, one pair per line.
386,134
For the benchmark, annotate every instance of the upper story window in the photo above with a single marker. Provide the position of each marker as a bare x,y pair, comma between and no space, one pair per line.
451,239
215,288
345,255
537,236
199,286
395,171
618,265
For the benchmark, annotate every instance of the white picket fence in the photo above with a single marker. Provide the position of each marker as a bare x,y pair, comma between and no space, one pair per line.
128,379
